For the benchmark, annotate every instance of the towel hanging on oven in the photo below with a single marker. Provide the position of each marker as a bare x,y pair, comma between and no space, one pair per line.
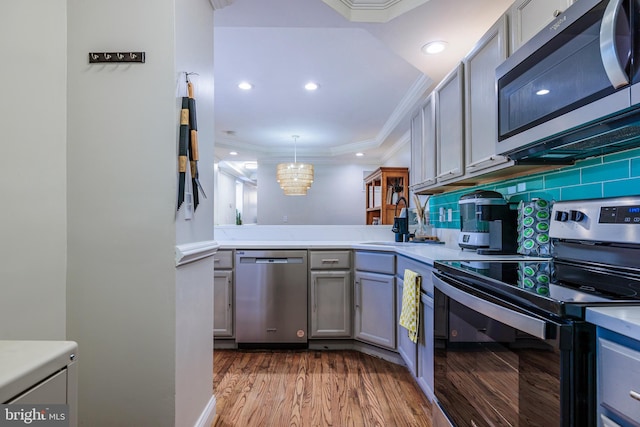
410,314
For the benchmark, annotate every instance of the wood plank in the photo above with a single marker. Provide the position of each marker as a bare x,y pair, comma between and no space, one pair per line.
314,388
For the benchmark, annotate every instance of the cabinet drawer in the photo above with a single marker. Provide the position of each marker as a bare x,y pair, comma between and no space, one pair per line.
619,378
223,260
325,260
376,262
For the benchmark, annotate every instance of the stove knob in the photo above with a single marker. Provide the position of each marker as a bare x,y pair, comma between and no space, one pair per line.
562,216
576,216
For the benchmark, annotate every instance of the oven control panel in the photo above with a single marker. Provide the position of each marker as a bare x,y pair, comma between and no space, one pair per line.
614,220
620,215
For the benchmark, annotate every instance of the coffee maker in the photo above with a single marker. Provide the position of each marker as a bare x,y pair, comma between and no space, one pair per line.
401,223
487,223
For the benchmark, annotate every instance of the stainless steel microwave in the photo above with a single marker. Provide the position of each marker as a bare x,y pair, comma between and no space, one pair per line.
571,92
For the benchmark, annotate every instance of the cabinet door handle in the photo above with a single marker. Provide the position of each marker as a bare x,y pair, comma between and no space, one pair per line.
634,395
330,260
448,173
491,159
357,290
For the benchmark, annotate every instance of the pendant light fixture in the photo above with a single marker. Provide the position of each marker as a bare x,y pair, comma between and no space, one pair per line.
295,178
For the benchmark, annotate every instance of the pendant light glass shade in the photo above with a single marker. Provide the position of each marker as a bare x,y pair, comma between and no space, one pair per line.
295,178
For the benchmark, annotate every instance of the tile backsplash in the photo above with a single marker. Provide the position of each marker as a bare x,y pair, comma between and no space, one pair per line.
606,176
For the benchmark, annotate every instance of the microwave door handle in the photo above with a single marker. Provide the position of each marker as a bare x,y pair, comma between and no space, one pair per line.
519,321
608,50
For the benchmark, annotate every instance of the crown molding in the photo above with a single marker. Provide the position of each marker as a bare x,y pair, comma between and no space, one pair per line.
219,4
373,10
400,143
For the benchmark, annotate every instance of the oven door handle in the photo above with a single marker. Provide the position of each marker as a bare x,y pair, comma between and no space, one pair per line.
522,322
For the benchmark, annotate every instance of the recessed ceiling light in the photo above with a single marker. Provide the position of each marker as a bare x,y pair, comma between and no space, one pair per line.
542,92
311,86
233,153
251,165
436,46
245,85
359,154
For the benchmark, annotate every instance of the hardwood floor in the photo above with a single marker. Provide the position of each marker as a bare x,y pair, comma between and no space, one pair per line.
314,388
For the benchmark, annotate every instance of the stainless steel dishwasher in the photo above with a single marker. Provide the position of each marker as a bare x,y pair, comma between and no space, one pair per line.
271,298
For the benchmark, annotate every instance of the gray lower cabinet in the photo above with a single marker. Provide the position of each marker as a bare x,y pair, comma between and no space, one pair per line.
408,349
330,304
425,346
618,379
223,295
330,294
375,309
418,357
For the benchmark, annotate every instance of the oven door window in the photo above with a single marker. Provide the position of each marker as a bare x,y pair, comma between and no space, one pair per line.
490,374
563,75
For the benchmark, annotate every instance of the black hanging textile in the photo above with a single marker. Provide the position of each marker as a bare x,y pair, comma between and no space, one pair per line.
182,149
188,148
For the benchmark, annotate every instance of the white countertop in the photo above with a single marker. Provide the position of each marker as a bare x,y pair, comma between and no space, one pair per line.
623,320
424,252
24,363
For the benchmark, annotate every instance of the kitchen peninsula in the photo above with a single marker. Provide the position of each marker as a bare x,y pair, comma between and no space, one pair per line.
355,283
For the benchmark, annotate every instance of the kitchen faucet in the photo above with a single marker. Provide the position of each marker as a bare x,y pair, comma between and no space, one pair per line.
401,224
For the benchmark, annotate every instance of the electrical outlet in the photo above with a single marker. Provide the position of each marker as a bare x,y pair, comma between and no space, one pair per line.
450,215
441,214
285,218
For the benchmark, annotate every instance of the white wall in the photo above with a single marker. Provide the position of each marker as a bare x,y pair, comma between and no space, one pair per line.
225,190
33,169
336,196
122,283
194,282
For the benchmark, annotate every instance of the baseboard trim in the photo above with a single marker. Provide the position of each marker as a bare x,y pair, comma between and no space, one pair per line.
208,415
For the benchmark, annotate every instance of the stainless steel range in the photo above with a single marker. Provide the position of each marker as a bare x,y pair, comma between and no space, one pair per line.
512,346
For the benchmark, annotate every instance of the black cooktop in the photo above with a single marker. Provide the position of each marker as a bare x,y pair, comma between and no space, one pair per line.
557,287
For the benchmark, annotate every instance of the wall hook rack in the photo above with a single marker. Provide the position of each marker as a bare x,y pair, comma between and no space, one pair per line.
116,57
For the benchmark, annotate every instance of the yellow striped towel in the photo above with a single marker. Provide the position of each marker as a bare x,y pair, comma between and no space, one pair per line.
410,313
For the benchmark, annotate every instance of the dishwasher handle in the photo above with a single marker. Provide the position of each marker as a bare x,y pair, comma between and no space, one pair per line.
271,260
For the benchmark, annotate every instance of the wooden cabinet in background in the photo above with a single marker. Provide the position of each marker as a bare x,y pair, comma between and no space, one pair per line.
383,188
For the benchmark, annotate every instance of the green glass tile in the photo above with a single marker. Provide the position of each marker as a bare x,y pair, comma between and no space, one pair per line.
629,154
624,187
562,179
635,167
606,172
588,191
534,183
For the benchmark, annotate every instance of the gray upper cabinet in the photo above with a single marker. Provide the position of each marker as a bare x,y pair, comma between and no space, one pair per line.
450,125
481,121
528,17
415,173
423,146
